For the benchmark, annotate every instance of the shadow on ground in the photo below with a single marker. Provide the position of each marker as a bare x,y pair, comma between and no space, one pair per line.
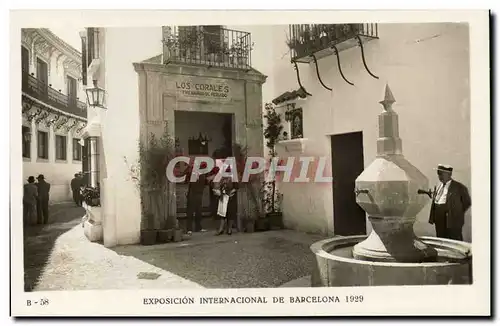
240,261
39,240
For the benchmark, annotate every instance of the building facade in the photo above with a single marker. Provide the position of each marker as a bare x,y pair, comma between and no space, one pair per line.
168,92
53,110
330,97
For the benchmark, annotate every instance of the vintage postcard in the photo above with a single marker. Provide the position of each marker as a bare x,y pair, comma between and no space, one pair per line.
291,163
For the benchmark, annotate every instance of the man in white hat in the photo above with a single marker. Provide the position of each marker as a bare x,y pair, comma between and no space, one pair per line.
450,201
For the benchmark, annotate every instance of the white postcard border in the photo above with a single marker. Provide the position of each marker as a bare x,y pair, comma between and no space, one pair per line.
428,300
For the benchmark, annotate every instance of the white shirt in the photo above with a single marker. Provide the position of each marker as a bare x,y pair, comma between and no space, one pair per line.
441,193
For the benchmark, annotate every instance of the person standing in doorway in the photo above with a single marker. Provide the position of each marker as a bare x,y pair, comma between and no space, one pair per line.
29,201
195,201
227,208
43,200
450,201
76,184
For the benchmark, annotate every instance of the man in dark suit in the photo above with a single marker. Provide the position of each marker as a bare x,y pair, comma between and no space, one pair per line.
450,201
29,201
76,184
43,200
195,200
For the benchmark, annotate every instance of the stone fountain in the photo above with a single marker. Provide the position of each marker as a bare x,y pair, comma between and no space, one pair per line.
392,192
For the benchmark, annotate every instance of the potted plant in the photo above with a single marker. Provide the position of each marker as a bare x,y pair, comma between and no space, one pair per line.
155,188
272,198
91,196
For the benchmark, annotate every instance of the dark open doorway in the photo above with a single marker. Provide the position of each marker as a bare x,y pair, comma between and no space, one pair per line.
202,134
347,165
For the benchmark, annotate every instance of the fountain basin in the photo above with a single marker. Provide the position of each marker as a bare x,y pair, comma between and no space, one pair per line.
335,265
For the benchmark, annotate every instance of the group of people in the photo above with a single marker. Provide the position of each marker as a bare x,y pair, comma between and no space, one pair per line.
223,201
36,200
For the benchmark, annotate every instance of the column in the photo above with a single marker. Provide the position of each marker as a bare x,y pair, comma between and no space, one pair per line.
94,161
52,145
34,142
69,147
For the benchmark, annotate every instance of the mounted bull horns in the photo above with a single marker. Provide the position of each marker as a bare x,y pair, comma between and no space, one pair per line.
298,78
338,63
363,56
317,72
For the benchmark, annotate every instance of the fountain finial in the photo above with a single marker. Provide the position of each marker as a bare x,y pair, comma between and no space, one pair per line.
388,98
388,142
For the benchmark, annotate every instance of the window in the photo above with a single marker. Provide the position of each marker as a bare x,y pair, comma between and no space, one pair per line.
60,147
25,60
77,150
71,83
26,142
42,72
296,123
43,145
92,44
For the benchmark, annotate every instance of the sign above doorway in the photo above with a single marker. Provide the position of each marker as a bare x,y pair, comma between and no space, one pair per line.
217,91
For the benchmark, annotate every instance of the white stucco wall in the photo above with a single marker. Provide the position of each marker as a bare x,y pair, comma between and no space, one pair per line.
120,122
427,67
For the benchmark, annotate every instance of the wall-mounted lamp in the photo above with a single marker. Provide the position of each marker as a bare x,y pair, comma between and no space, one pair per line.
96,96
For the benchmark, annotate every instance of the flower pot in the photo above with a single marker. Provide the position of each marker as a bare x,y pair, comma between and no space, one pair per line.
275,220
250,226
96,202
177,235
165,236
148,237
262,224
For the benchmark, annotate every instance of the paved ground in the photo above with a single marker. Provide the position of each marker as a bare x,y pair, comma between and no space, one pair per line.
264,259
59,257
39,240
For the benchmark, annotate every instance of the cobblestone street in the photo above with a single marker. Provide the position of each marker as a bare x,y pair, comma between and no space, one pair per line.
59,257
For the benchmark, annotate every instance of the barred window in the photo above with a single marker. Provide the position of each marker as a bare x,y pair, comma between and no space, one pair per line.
43,145
26,142
61,148
77,150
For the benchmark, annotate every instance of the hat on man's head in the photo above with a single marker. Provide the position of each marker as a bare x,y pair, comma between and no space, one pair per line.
445,168
40,177
31,178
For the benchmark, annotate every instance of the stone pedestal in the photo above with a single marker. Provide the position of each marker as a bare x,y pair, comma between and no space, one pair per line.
92,227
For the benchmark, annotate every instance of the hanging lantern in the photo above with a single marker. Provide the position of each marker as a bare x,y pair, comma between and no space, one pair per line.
96,96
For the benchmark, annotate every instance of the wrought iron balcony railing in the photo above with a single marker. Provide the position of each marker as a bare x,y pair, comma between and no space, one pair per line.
208,45
322,39
52,97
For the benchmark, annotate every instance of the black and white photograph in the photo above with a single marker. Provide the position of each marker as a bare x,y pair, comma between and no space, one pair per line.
316,167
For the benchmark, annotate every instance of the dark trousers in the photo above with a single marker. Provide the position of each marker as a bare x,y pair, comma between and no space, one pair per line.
194,212
43,211
77,198
29,213
442,229
214,202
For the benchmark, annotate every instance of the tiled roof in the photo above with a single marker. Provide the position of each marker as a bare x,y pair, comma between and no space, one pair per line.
290,95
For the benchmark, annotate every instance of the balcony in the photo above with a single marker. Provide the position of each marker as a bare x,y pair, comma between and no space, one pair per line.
322,40
41,91
211,46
